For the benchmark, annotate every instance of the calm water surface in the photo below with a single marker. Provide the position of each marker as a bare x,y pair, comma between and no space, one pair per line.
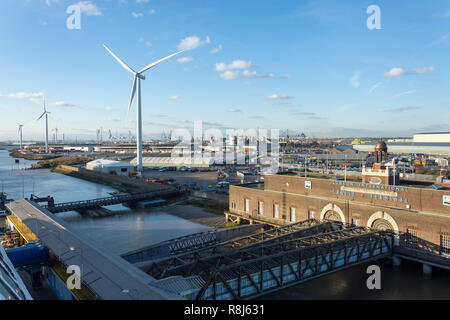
130,230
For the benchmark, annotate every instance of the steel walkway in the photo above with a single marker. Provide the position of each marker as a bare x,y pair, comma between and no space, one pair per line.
106,201
280,261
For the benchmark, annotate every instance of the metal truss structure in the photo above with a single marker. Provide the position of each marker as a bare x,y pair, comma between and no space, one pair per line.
189,249
276,263
106,201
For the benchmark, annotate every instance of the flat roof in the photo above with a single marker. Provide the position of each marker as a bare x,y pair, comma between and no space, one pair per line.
108,276
433,133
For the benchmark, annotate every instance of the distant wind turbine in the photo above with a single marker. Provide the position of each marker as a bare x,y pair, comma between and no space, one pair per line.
45,113
20,134
137,82
56,135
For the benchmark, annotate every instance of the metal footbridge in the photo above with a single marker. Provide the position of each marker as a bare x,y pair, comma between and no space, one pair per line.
255,265
107,201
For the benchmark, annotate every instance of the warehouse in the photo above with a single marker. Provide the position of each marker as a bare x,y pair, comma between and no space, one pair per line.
434,143
110,166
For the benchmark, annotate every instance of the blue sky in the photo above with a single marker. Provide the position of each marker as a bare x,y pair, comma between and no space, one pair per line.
306,66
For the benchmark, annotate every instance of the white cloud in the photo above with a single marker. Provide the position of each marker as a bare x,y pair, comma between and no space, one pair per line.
443,39
137,14
33,97
108,108
49,2
174,98
215,50
279,96
396,72
404,93
254,75
238,111
152,11
402,109
376,85
61,104
236,64
229,75
184,59
89,8
147,43
354,80
192,42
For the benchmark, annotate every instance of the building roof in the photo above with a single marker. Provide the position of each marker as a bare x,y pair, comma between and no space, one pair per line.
108,276
108,163
433,133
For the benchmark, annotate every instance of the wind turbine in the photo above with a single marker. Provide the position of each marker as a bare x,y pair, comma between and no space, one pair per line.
46,113
137,83
20,134
56,135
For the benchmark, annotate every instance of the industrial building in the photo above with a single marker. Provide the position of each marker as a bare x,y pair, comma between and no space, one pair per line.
379,200
434,143
175,161
110,167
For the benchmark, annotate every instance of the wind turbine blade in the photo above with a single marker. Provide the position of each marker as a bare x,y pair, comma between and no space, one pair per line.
41,116
159,61
133,91
120,61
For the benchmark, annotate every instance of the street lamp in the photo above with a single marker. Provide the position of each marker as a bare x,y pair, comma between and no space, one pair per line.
81,255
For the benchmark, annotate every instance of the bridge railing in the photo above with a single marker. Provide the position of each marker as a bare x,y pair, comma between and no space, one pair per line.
414,246
293,262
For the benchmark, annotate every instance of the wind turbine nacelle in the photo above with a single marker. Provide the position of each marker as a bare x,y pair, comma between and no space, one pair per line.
141,76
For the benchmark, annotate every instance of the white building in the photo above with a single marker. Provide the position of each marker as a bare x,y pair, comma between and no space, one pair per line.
432,137
110,167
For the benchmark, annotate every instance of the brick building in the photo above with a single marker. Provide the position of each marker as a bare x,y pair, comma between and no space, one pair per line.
378,200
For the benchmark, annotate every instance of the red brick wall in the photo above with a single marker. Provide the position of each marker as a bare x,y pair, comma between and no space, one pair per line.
427,214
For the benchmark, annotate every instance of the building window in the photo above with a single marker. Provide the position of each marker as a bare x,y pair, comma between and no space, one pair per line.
412,239
246,205
276,211
356,222
445,245
260,208
292,212
310,214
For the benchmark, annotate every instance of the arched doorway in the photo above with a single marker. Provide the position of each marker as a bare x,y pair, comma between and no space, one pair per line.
382,224
332,212
332,215
382,221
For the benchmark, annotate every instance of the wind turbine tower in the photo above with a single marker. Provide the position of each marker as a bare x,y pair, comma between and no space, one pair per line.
137,83
56,135
20,134
45,113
